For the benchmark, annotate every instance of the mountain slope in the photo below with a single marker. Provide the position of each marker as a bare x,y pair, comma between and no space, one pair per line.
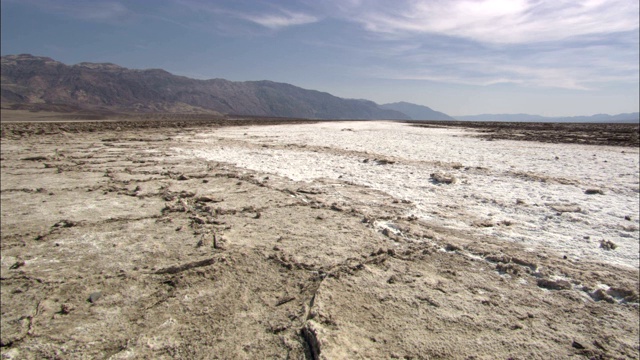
28,79
417,112
626,117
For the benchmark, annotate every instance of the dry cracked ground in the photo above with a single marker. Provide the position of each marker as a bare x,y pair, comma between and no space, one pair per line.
115,248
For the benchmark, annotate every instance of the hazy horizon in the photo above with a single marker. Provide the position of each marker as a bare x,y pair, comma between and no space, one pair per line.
548,58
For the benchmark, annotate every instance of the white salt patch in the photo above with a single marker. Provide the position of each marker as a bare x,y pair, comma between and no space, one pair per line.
494,177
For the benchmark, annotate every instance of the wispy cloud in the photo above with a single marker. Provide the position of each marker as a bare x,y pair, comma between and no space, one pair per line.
496,21
281,19
585,64
269,16
93,11
579,45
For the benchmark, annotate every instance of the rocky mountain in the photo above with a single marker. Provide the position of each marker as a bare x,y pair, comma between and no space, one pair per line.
417,112
605,118
28,79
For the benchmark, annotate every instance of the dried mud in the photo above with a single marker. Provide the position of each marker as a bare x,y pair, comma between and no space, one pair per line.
614,134
114,248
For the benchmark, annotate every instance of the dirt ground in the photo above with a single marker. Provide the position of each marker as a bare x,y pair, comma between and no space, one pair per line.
115,248
616,134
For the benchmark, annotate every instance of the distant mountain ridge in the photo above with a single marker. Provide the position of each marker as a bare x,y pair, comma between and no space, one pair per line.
417,112
28,79
622,118
43,83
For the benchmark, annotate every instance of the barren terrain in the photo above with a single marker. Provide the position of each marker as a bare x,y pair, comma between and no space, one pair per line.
216,238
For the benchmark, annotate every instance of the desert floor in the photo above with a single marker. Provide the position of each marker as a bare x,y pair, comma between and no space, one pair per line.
223,239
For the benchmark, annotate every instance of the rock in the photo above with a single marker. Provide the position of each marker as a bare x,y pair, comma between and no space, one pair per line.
483,223
506,222
608,245
94,296
207,198
17,264
626,295
508,269
442,178
66,308
452,247
186,194
65,224
565,208
310,333
554,285
594,191
182,177
284,300
35,158
384,161
599,295
577,345
197,219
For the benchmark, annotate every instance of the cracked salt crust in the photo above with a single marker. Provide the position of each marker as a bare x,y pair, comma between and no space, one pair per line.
509,185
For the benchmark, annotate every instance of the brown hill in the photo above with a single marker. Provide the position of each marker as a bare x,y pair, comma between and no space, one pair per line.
28,79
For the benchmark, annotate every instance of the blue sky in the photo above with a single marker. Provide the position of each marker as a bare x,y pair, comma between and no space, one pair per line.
462,57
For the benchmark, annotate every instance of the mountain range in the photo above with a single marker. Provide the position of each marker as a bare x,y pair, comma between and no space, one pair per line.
417,112
37,82
28,79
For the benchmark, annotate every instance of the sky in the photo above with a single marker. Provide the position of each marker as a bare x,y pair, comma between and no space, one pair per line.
461,57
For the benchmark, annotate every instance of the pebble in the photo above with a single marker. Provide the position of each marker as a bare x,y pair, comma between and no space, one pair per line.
594,192
94,296
608,245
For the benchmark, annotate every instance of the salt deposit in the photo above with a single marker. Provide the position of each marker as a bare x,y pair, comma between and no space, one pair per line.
525,192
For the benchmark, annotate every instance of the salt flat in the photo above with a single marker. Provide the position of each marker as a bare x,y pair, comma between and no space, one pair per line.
519,191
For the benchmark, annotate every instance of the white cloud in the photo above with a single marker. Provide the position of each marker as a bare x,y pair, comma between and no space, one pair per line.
495,21
265,15
568,44
280,20
577,67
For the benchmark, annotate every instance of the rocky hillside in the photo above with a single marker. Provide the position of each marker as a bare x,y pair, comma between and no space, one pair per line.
28,79
417,112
